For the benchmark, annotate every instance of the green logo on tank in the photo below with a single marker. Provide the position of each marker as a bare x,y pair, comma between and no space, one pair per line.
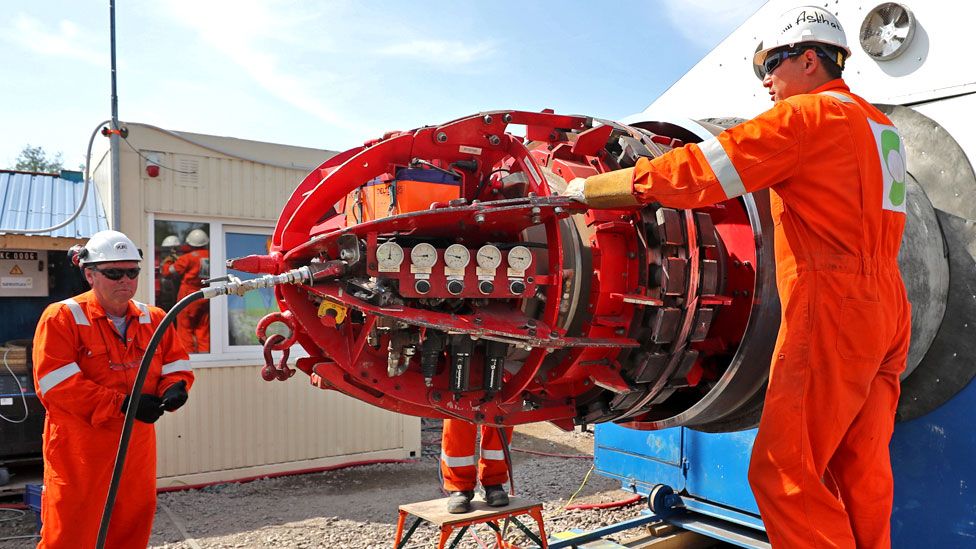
892,157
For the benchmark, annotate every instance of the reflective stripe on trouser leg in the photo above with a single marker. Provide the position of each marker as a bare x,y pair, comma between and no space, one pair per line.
492,467
457,455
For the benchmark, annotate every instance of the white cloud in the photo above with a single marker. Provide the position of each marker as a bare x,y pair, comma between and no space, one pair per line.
252,35
707,22
66,40
445,53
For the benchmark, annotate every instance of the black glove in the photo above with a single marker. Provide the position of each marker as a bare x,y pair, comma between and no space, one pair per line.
175,396
149,409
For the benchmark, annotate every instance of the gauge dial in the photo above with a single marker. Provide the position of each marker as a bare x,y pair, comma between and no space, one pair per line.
489,257
457,256
519,258
423,256
389,256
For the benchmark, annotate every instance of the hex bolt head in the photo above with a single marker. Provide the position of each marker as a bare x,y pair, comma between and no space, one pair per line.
488,119
494,140
479,218
507,118
441,137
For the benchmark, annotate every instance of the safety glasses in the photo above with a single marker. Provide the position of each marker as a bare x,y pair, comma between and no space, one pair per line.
117,274
775,59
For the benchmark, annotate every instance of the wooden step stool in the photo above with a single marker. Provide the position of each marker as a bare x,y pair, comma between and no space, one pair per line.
435,512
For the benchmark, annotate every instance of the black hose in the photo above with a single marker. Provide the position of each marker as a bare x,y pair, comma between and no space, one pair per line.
130,412
508,459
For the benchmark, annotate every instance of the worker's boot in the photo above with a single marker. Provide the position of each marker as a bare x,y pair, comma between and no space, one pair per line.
496,496
459,502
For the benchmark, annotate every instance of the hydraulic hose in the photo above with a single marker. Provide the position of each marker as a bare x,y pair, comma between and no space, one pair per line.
130,411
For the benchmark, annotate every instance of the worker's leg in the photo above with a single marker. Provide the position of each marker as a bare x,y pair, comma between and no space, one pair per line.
184,330
492,467
201,330
814,393
862,464
457,455
76,476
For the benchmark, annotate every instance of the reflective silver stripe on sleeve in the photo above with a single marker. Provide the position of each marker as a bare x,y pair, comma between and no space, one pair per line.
144,318
495,455
177,366
843,98
725,172
75,307
462,461
52,379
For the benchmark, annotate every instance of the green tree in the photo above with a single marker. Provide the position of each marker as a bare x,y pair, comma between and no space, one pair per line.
34,159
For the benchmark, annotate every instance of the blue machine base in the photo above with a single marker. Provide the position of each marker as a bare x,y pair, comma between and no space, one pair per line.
932,458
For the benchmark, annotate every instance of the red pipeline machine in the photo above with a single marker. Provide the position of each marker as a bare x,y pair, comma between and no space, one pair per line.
455,281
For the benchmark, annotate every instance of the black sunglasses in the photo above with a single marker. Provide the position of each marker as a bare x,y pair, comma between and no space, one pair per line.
774,60
117,274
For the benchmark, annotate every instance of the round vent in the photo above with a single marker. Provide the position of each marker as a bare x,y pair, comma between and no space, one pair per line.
887,31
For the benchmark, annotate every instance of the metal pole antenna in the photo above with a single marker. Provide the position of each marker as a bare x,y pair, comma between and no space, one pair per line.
114,139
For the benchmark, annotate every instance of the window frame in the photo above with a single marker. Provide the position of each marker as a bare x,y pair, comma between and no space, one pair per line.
221,352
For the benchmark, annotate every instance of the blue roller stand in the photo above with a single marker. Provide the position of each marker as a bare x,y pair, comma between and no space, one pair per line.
933,458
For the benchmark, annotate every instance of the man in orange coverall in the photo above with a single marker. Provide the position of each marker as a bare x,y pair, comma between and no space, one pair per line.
835,166
193,322
458,466
87,351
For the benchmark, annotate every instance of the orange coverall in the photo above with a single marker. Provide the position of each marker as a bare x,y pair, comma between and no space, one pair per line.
835,168
83,369
193,322
457,456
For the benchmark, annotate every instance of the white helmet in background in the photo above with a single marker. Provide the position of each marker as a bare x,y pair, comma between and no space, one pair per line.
197,238
106,246
806,24
171,241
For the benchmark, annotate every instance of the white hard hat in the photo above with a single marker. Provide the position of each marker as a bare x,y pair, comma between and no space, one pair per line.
197,238
105,246
806,24
171,241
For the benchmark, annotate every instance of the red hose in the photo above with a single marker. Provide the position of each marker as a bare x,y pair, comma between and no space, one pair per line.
607,505
282,474
19,506
547,454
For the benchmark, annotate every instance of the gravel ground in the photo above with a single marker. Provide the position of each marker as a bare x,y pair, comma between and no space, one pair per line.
357,507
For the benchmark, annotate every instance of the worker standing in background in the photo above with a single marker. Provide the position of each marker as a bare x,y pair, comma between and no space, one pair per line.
167,286
835,167
87,351
458,465
193,322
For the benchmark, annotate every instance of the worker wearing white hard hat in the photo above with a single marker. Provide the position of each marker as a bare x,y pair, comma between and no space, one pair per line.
87,350
834,166
193,323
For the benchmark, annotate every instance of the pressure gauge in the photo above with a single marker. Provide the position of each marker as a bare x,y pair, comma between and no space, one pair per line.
423,256
457,257
519,258
389,256
489,257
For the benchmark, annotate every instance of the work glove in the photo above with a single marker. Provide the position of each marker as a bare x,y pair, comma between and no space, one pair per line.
175,396
575,190
149,409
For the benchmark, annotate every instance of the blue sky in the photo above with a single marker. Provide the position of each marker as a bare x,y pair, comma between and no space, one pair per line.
331,74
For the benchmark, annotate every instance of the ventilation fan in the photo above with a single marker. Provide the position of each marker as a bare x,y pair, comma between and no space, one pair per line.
887,31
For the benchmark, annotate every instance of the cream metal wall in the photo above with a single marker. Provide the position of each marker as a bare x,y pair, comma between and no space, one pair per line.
235,424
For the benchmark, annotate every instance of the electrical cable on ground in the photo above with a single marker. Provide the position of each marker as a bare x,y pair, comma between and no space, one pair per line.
548,454
578,490
607,505
20,387
17,513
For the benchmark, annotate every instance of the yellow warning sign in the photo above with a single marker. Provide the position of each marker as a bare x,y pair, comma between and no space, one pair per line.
16,270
